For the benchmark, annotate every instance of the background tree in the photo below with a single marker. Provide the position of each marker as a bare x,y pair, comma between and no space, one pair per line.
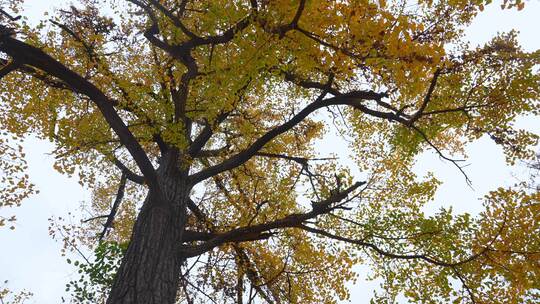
198,120
9,297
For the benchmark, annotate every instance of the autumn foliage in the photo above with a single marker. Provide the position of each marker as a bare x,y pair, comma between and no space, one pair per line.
195,125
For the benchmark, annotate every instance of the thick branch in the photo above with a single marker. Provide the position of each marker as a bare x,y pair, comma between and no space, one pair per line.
9,16
294,23
353,99
190,236
132,176
53,83
30,55
262,230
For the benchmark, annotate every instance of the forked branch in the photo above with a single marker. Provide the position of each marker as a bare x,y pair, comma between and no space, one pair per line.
264,230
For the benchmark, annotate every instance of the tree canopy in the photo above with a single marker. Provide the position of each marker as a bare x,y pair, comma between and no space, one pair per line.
195,125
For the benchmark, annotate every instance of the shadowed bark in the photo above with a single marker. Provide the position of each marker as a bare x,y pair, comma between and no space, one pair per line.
150,271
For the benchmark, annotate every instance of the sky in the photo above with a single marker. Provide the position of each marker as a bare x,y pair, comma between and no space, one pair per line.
30,259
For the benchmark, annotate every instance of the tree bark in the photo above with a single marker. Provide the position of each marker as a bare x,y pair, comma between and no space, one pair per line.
150,270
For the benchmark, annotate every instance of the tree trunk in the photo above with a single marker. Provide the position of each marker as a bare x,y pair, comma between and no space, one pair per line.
150,270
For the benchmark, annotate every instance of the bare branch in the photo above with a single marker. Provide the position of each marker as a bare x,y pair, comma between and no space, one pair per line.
439,152
379,250
95,218
9,16
116,204
423,257
427,98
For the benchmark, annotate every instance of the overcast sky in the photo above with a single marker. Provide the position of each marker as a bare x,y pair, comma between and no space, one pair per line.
31,260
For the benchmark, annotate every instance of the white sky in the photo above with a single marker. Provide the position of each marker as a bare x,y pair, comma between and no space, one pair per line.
31,260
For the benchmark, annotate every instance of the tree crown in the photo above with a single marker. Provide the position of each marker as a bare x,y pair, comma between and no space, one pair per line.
231,95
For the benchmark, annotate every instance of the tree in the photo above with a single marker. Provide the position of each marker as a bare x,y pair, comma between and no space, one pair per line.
8,297
202,117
